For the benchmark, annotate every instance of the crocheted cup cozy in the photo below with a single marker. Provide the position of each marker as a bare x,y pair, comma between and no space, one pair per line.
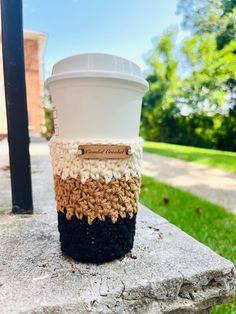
97,200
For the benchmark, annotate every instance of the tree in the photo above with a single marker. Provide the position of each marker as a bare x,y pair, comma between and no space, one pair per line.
200,16
210,16
206,89
164,86
213,23
198,106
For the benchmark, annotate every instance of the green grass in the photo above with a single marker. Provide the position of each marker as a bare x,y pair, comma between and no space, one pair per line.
207,222
208,157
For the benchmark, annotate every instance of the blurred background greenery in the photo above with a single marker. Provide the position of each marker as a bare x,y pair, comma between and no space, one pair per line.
192,96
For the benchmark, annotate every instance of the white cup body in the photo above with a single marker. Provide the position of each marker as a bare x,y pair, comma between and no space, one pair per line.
93,105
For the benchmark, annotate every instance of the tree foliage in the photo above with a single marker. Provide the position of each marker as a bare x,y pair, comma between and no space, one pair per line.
200,16
164,87
192,98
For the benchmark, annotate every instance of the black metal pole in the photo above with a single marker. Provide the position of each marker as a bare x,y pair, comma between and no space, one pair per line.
16,105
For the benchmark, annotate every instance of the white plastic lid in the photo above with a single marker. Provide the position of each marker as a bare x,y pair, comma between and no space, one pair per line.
97,65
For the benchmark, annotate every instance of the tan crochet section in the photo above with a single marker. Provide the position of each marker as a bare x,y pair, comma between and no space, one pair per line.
96,198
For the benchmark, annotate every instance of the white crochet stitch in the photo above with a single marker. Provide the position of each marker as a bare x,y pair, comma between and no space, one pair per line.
67,162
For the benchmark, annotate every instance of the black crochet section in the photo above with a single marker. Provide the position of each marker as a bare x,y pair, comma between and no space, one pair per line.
100,242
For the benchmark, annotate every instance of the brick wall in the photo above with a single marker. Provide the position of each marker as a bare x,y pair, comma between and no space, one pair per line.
33,85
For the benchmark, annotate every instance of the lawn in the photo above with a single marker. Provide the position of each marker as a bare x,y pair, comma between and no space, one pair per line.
208,157
207,222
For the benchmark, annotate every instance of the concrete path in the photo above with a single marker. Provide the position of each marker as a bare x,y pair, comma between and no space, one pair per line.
213,184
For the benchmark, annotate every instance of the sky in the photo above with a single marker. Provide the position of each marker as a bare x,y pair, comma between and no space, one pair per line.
127,28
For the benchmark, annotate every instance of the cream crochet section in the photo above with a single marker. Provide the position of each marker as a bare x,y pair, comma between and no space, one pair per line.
66,161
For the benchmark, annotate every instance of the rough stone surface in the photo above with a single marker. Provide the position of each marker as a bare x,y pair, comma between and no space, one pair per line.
167,271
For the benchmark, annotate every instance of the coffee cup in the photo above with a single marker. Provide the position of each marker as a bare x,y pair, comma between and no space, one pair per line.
96,153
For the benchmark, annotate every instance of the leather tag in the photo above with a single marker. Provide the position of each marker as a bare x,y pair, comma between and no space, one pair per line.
103,151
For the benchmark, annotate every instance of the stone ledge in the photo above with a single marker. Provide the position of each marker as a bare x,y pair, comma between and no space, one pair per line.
167,272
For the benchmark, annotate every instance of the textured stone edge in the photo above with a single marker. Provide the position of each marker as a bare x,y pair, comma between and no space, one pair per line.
189,299
196,294
172,295
183,295
139,302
